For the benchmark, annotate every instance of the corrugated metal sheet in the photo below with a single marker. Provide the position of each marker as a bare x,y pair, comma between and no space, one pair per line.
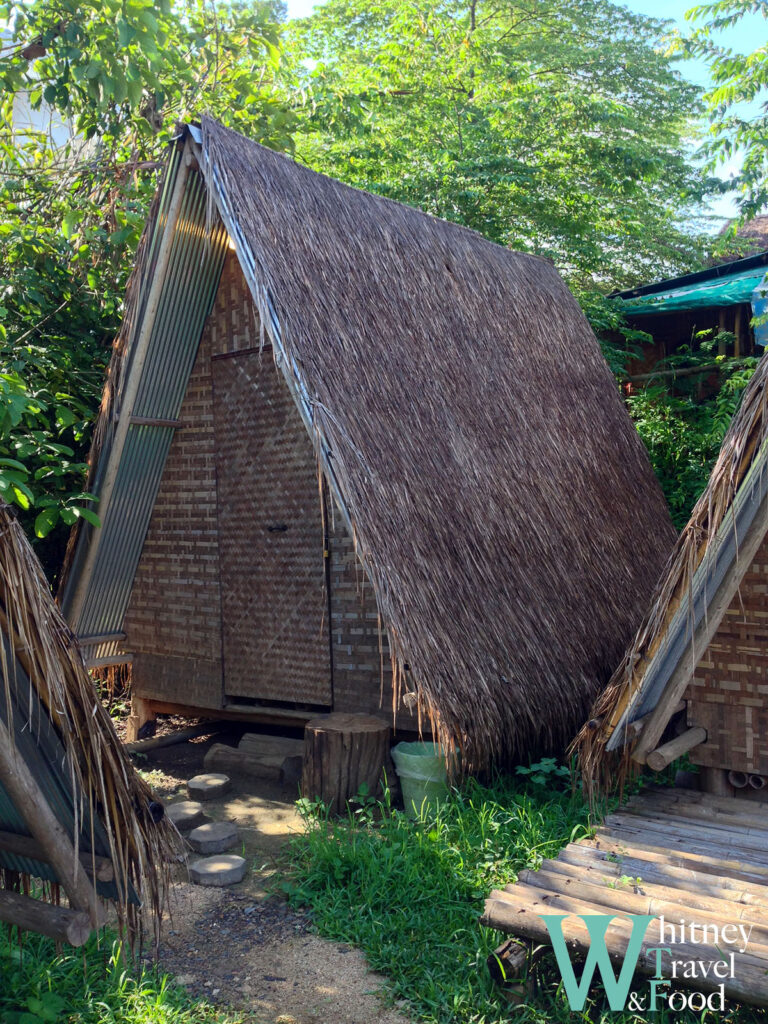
722,554
41,748
189,287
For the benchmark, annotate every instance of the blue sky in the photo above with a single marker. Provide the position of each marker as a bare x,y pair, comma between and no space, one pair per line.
745,37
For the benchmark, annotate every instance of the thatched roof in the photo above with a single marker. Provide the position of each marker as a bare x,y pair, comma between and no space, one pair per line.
501,500
66,742
689,572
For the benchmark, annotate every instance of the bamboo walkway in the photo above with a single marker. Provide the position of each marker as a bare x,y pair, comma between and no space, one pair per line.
696,862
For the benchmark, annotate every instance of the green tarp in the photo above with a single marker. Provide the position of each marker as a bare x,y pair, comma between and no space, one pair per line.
728,290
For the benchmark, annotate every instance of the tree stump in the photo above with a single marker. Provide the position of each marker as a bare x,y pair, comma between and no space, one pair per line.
341,753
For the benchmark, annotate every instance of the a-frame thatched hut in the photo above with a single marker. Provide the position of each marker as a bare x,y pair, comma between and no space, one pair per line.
703,646
693,680
75,819
484,526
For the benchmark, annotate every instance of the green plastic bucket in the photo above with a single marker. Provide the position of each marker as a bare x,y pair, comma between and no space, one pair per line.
423,776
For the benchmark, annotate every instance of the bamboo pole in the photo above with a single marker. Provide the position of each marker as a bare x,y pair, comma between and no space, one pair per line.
45,827
664,755
59,923
710,831
649,898
519,915
24,846
731,805
699,812
658,873
707,861
665,837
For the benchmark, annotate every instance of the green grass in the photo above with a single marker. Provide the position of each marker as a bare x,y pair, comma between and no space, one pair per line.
95,985
410,894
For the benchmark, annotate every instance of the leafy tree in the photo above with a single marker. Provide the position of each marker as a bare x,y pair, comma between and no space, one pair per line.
738,81
119,74
681,430
553,126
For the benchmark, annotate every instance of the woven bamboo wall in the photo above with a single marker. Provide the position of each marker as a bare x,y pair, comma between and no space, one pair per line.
273,595
174,623
728,695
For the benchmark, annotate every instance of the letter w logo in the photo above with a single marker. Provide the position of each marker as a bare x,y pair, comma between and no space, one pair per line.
617,990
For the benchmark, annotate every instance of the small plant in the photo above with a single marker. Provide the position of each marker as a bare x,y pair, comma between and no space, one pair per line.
625,882
544,772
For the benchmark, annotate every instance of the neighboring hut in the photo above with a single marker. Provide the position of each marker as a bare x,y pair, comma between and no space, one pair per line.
350,455
704,641
717,302
693,681
74,816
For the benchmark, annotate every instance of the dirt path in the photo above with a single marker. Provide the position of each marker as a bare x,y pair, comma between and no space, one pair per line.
243,947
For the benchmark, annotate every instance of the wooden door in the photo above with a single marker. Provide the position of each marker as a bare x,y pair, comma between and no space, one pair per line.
276,642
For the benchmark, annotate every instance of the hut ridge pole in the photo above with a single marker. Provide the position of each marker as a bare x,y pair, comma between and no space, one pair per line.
75,606
703,635
45,827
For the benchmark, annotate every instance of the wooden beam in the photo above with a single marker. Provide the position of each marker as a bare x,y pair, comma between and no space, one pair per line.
636,727
100,638
45,827
686,371
703,634
659,758
155,421
25,846
60,923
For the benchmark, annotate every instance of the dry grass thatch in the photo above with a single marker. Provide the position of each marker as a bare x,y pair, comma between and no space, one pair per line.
748,431
501,500
106,786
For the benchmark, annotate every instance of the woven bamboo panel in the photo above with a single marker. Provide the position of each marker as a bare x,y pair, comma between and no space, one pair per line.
274,604
234,323
728,695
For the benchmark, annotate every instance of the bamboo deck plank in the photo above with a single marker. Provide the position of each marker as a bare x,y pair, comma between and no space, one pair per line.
652,873
738,846
684,856
696,859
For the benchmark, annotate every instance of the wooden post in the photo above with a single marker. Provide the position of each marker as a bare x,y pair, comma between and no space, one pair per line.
45,827
509,961
141,713
341,753
659,758
715,781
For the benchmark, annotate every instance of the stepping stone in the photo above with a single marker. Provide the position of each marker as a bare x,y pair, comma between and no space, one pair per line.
205,787
215,837
226,869
185,814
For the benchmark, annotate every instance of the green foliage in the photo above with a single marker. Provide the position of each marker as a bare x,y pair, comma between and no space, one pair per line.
107,81
738,80
410,893
42,985
546,772
682,432
558,128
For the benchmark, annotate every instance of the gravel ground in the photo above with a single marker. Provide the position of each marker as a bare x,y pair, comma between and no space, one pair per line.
243,947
